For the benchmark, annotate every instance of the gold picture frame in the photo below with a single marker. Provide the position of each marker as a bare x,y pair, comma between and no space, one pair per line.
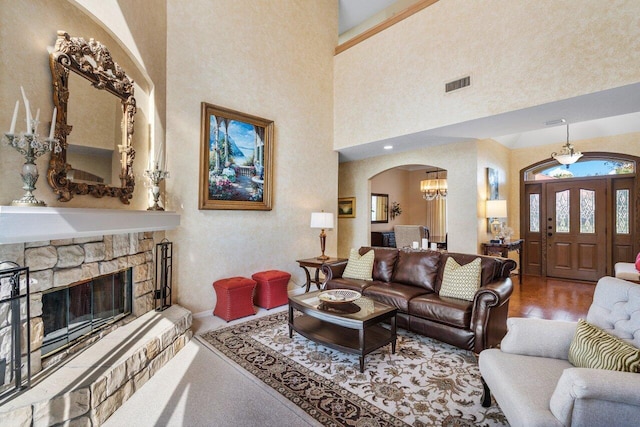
347,207
236,160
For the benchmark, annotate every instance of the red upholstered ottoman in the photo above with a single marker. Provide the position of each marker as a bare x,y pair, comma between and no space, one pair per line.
235,298
271,290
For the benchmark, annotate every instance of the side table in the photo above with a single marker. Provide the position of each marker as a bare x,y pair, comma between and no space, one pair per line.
317,264
503,249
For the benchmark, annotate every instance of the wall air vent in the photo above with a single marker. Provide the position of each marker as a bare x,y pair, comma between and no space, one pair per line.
457,84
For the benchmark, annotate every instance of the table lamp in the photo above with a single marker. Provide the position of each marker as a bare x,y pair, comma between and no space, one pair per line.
496,209
322,220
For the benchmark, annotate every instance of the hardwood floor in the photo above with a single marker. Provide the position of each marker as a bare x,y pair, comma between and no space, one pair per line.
547,298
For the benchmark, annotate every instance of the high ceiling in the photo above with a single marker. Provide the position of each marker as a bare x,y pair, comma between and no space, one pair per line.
354,12
611,112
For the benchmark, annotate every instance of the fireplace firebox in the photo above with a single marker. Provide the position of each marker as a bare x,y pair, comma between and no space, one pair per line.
81,309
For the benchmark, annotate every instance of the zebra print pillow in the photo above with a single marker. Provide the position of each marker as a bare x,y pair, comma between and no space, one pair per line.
594,348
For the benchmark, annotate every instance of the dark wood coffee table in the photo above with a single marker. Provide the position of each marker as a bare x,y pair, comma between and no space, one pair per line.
349,327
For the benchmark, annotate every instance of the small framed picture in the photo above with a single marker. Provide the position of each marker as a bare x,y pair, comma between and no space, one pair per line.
493,189
347,207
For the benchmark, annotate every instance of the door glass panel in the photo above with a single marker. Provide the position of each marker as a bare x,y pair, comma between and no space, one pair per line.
534,213
622,211
562,211
587,211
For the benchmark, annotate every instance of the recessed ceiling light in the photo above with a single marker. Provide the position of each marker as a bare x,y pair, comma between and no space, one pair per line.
388,147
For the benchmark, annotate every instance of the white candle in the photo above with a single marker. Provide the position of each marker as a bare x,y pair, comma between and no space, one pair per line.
37,120
28,118
14,118
160,155
425,243
27,114
24,96
164,157
52,131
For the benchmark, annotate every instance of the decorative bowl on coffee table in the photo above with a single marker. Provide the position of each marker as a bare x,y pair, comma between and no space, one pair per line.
339,296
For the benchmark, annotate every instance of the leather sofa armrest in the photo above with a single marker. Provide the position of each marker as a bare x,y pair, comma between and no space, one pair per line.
538,337
590,386
500,290
333,271
489,313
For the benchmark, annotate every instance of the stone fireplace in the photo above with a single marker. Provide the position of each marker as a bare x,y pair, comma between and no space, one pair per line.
57,264
91,256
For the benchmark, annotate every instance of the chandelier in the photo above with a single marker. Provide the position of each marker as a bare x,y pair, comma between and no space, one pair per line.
434,188
567,155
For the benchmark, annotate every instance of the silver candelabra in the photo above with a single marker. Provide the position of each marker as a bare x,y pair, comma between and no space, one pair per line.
31,146
156,175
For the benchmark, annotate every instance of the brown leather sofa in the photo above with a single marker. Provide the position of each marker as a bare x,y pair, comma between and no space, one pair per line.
410,281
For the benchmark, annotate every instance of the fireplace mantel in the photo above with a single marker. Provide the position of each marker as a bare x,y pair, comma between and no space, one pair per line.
24,224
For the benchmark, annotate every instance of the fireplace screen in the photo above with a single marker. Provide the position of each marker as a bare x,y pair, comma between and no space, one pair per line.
15,336
78,310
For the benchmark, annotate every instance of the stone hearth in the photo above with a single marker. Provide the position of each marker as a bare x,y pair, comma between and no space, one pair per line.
85,383
88,387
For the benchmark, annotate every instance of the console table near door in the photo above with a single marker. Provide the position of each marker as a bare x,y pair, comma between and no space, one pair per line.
316,263
503,249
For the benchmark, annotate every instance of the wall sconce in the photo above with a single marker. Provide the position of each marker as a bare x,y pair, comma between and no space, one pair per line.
322,220
495,209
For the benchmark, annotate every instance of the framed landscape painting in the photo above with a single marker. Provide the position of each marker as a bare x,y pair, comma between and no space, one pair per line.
347,207
236,160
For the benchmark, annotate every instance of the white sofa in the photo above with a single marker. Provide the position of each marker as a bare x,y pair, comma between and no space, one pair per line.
535,385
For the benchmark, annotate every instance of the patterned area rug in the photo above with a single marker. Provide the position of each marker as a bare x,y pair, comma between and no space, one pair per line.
426,383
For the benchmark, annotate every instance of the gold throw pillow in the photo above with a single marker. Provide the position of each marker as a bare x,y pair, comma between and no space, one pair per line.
461,281
359,267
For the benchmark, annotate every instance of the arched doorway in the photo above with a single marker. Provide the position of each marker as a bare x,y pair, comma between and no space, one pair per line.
400,187
578,222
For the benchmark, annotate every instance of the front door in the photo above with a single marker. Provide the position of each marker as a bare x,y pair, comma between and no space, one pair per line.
575,223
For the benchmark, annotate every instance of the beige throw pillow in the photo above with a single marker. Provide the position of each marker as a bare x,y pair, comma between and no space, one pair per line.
461,281
359,267
594,348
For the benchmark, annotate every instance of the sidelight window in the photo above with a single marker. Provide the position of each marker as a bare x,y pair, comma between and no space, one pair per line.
622,211
534,213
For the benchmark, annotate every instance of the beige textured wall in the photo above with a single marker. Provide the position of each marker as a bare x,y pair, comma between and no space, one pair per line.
269,59
28,28
518,54
460,161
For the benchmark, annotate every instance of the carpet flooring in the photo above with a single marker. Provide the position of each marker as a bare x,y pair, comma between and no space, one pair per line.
425,383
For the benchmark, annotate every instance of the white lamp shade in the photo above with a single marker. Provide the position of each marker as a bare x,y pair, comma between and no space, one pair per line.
321,220
496,209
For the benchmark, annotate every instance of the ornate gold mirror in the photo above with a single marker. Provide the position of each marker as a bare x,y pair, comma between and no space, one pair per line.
97,158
